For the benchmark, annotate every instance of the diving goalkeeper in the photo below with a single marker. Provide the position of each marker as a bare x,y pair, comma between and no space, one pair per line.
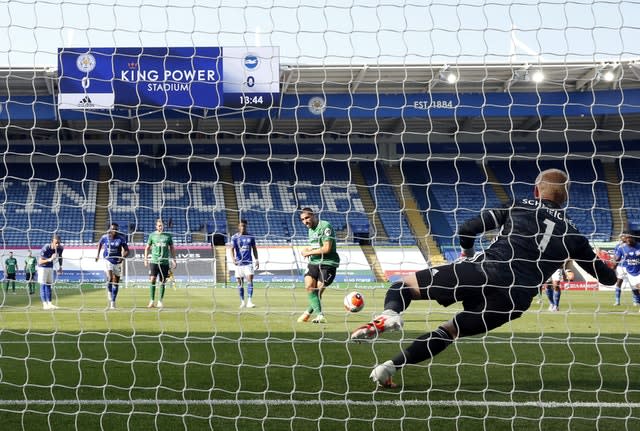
536,238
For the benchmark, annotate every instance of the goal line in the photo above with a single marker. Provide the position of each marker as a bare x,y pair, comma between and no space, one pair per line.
341,402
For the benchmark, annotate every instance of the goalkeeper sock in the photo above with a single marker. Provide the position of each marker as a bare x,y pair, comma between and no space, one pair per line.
153,291
556,297
398,297
42,293
161,291
114,292
314,302
241,292
250,290
110,290
424,347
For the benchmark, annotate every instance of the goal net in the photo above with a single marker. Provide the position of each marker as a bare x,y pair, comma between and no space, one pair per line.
395,122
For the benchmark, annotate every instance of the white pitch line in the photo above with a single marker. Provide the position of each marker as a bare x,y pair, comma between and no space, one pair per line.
284,402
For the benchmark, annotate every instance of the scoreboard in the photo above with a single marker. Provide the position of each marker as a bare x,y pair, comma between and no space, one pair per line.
176,77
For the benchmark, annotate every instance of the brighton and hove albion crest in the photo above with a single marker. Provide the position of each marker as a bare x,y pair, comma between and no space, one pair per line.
251,61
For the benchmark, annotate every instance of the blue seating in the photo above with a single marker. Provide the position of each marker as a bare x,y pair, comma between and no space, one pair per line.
386,204
588,203
40,199
186,196
449,193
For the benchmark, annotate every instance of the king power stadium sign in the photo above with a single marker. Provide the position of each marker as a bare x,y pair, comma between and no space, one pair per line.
187,77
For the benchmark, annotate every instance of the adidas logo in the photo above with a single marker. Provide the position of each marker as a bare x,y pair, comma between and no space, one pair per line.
86,102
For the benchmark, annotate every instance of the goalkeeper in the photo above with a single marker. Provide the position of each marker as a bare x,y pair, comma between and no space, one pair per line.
323,263
497,286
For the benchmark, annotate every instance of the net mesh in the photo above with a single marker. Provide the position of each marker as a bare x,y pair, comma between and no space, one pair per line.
395,154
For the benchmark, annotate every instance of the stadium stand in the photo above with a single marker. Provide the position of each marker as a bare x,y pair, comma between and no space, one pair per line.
588,204
387,206
449,193
39,199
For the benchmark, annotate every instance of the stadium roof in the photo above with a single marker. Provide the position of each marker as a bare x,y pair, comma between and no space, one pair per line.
349,81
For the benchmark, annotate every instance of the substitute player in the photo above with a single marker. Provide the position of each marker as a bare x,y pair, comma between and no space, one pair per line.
10,270
536,238
323,263
115,251
49,254
628,256
160,246
244,250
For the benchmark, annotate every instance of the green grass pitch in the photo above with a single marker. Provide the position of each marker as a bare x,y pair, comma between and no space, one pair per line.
201,363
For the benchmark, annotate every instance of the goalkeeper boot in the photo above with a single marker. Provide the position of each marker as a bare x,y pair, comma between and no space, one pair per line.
389,320
151,304
160,304
304,317
250,304
382,375
319,319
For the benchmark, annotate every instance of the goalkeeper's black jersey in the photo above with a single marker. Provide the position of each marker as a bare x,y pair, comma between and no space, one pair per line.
535,239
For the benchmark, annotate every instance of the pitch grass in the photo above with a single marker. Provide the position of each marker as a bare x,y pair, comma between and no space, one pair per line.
201,363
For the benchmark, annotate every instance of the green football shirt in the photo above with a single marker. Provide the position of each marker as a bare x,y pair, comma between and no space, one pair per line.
11,264
317,236
160,243
30,264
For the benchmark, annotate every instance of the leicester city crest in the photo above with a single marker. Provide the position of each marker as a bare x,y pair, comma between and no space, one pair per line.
86,62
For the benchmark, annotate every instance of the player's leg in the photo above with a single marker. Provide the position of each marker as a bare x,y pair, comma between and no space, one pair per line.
115,286
327,275
549,291
250,303
484,310
13,283
153,274
240,281
311,287
618,294
109,273
439,284
557,292
164,273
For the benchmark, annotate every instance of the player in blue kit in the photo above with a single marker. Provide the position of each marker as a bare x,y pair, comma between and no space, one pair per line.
115,250
243,249
49,254
627,255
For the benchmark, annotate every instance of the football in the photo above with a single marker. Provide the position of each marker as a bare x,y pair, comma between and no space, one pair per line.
353,302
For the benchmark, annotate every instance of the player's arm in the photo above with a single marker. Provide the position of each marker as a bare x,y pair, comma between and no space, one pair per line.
487,220
172,250
59,253
99,249
325,248
255,254
584,256
124,249
146,254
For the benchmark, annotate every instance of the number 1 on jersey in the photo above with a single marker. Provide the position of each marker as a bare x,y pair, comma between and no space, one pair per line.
546,236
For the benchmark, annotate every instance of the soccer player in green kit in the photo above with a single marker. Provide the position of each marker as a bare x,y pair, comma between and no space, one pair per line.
10,270
160,244
323,262
30,263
